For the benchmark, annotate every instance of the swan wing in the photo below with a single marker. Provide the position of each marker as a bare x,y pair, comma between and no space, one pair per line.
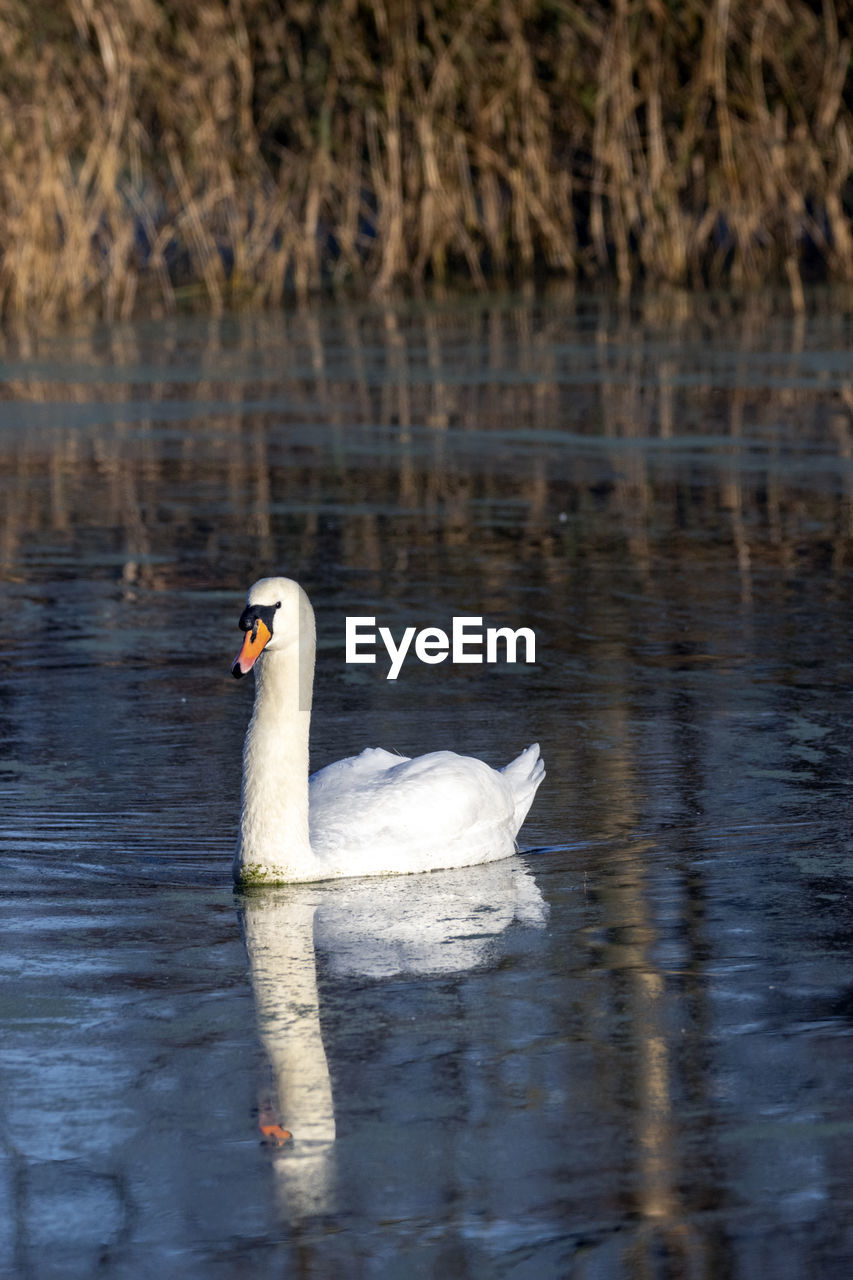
377,812
353,772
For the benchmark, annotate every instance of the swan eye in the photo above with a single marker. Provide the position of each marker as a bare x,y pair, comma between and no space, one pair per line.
255,613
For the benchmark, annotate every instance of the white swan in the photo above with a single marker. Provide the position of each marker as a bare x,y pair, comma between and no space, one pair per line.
371,814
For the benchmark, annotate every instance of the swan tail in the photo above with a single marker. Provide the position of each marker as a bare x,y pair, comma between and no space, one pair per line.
524,774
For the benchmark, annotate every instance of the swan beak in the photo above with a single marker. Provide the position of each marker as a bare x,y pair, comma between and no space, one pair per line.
253,644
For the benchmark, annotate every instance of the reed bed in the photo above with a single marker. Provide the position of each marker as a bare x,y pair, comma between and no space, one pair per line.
242,149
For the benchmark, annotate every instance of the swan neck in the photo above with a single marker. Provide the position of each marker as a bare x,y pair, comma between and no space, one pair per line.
274,844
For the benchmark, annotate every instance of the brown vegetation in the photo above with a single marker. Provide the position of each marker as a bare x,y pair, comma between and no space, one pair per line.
251,147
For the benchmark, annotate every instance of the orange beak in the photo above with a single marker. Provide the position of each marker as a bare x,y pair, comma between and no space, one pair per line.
253,644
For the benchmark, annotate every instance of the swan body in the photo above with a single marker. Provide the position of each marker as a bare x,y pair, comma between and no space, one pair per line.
372,814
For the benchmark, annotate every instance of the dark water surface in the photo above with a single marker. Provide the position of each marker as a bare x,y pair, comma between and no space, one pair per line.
625,1053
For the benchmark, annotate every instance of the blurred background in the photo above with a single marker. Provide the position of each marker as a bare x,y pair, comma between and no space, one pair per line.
533,312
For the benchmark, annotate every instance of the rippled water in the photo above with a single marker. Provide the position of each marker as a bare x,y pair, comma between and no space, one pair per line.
623,1053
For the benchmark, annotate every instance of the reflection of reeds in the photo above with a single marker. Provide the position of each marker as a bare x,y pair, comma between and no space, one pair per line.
373,419
248,148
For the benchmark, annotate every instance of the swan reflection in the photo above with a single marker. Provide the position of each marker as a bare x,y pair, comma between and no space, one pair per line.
435,923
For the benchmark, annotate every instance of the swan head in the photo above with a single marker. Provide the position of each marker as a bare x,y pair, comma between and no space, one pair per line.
278,617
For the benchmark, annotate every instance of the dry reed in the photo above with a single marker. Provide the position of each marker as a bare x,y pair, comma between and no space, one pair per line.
245,147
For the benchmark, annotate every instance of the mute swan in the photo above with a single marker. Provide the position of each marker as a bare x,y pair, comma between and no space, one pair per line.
372,814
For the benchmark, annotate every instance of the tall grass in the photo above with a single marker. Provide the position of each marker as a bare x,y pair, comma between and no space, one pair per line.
248,147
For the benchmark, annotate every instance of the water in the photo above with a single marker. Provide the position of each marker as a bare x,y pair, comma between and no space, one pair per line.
623,1053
